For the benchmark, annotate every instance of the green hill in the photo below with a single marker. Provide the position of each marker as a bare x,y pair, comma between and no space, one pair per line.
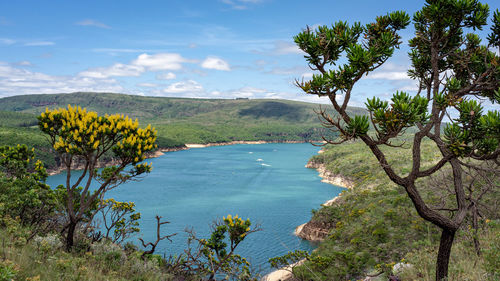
166,110
178,120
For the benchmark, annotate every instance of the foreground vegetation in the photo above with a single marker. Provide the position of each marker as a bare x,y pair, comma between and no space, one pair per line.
50,233
373,226
455,70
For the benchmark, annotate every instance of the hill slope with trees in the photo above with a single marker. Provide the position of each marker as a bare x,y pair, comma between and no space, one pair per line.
178,120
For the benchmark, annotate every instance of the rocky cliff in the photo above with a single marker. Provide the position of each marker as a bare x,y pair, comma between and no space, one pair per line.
318,231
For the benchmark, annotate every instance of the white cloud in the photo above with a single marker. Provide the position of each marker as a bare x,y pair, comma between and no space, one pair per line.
261,93
119,50
7,41
409,88
15,81
24,63
39,43
389,75
285,48
307,76
240,4
183,87
161,61
143,63
90,22
148,85
261,62
234,5
215,63
390,71
247,92
116,69
166,76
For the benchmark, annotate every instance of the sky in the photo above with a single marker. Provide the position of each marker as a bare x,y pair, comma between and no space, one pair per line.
204,48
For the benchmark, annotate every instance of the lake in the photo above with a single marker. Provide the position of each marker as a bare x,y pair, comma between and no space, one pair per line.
267,183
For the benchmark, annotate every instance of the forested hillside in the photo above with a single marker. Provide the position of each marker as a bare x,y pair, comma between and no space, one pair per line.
178,120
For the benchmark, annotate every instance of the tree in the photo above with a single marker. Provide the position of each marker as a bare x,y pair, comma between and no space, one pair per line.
81,137
153,245
120,219
216,255
454,72
23,193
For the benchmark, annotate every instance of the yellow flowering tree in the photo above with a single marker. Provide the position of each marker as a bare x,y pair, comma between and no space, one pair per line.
81,136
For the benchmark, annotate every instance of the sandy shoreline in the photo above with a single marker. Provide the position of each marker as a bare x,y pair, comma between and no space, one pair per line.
282,274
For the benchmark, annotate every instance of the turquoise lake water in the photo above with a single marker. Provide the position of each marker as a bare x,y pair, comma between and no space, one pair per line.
267,183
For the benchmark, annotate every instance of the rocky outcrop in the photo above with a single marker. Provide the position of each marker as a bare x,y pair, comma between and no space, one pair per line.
313,231
318,231
329,177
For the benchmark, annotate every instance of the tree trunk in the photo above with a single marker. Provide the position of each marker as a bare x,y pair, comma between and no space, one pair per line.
443,258
70,236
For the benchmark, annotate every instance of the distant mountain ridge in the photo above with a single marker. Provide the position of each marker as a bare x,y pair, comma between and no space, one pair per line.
151,108
178,120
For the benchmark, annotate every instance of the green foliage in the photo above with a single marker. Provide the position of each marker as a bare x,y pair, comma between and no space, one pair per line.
373,225
357,127
42,259
17,119
120,219
62,197
465,264
404,112
181,121
33,138
76,134
472,132
216,255
494,37
290,258
492,253
7,271
23,193
15,161
220,255
368,234
325,46
367,230
439,49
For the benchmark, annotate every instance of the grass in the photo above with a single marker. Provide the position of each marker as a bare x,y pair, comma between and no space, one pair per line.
356,161
375,225
45,260
465,265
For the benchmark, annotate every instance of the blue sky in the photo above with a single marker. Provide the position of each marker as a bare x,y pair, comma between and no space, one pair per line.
210,48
